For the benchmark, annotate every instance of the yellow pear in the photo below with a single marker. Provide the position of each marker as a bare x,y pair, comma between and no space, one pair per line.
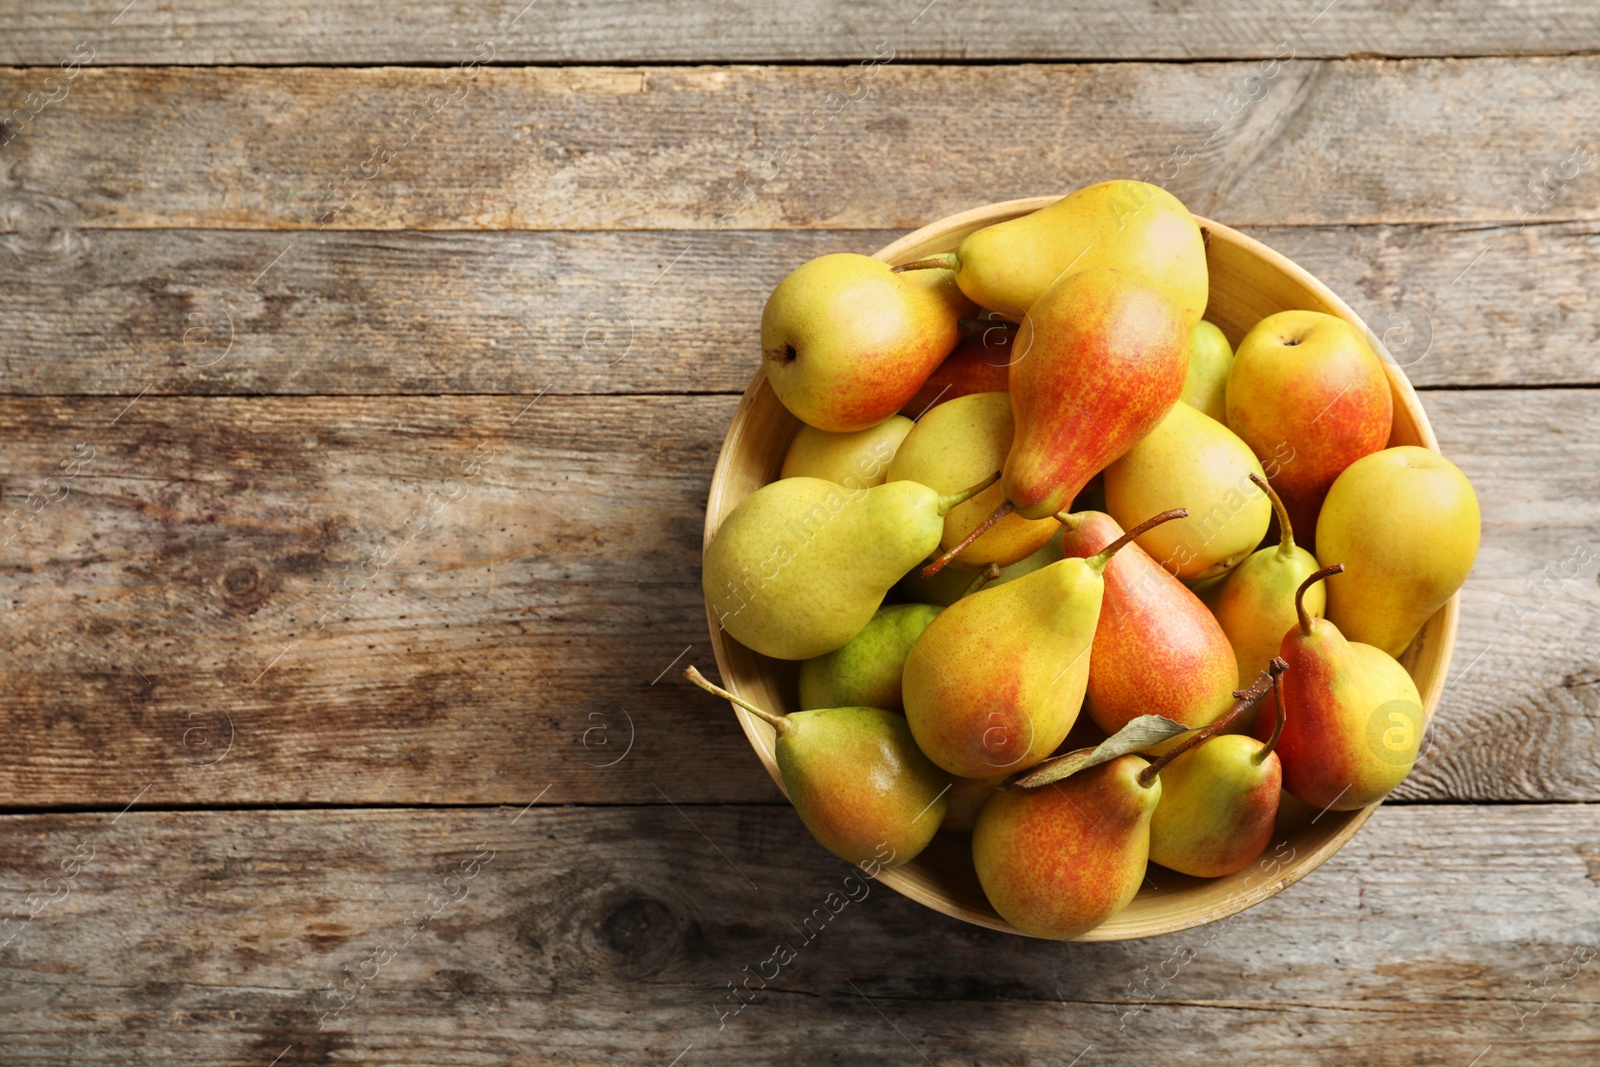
1210,359
858,460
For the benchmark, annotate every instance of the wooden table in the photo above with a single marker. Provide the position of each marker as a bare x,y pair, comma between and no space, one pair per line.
364,368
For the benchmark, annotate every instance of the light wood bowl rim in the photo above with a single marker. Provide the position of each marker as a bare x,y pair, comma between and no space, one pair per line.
1441,628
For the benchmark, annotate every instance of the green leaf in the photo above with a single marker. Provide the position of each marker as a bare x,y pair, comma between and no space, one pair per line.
1137,736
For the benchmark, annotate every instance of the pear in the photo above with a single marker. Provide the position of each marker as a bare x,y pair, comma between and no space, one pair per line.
967,798
800,565
1210,359
1061,859
981,363
1353,719
865,671
1219,806
846,341
994,683
1255,601
1100,360
950,585
1157,650
858,460
1192,461
954,445
1405,524
855,778
1128,224
1308,395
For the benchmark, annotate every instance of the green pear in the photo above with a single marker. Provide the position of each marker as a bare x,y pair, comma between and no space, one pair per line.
1130,225
1255,601
1219,807
1210,359
997,680
951,584
865,670
1192,461
1352,718
1405,523
856,779
846,341
953,446
858,460
1061,859
800,565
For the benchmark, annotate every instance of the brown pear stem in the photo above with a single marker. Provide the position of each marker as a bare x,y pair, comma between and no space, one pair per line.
987,575
944,260
1300,594
1099,560
777,722
1247,699
1005,508
1277,725
1285,530
951,501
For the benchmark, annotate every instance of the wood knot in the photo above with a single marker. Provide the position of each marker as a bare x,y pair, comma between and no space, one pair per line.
640,934
244,586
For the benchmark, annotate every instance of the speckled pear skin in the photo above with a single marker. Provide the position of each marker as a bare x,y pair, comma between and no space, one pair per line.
1008,266
959,444
1098,361
859,783
996,681
1255,606
865,671
1307,393
1157,650
1218,807
800,565
967,798
1405,524
1353,719
1061,859
1190,460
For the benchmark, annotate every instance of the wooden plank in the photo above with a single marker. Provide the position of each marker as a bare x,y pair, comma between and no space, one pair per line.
578,148
257,570
192,312
592,936
345,32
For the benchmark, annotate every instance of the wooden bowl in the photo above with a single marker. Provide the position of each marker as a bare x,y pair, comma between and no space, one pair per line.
1248,282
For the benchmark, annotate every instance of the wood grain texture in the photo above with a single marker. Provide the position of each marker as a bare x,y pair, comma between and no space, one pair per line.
580,148
346,31
606,936
171,600
191,312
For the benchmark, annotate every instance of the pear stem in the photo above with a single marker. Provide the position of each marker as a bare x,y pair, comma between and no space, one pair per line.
944,260
1006,508
1071,520
1285,531
1277,725
951,501
1300,594
1099,560
990,573
1246,699
777,722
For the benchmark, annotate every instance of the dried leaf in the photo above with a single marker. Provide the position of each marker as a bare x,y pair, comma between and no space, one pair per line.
1138,735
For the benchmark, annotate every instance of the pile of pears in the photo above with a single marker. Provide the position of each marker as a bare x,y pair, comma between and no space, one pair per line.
1037,503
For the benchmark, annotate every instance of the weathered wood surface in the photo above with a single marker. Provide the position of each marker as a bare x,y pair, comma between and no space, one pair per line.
612,935
1327,142
190,589
347,31
228,312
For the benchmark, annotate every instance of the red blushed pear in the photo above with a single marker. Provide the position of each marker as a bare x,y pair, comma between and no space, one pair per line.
1099,360
996,681
846,341
1310,397
981,363
1353,719
1063,858
1219,803
856,779
1157,650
